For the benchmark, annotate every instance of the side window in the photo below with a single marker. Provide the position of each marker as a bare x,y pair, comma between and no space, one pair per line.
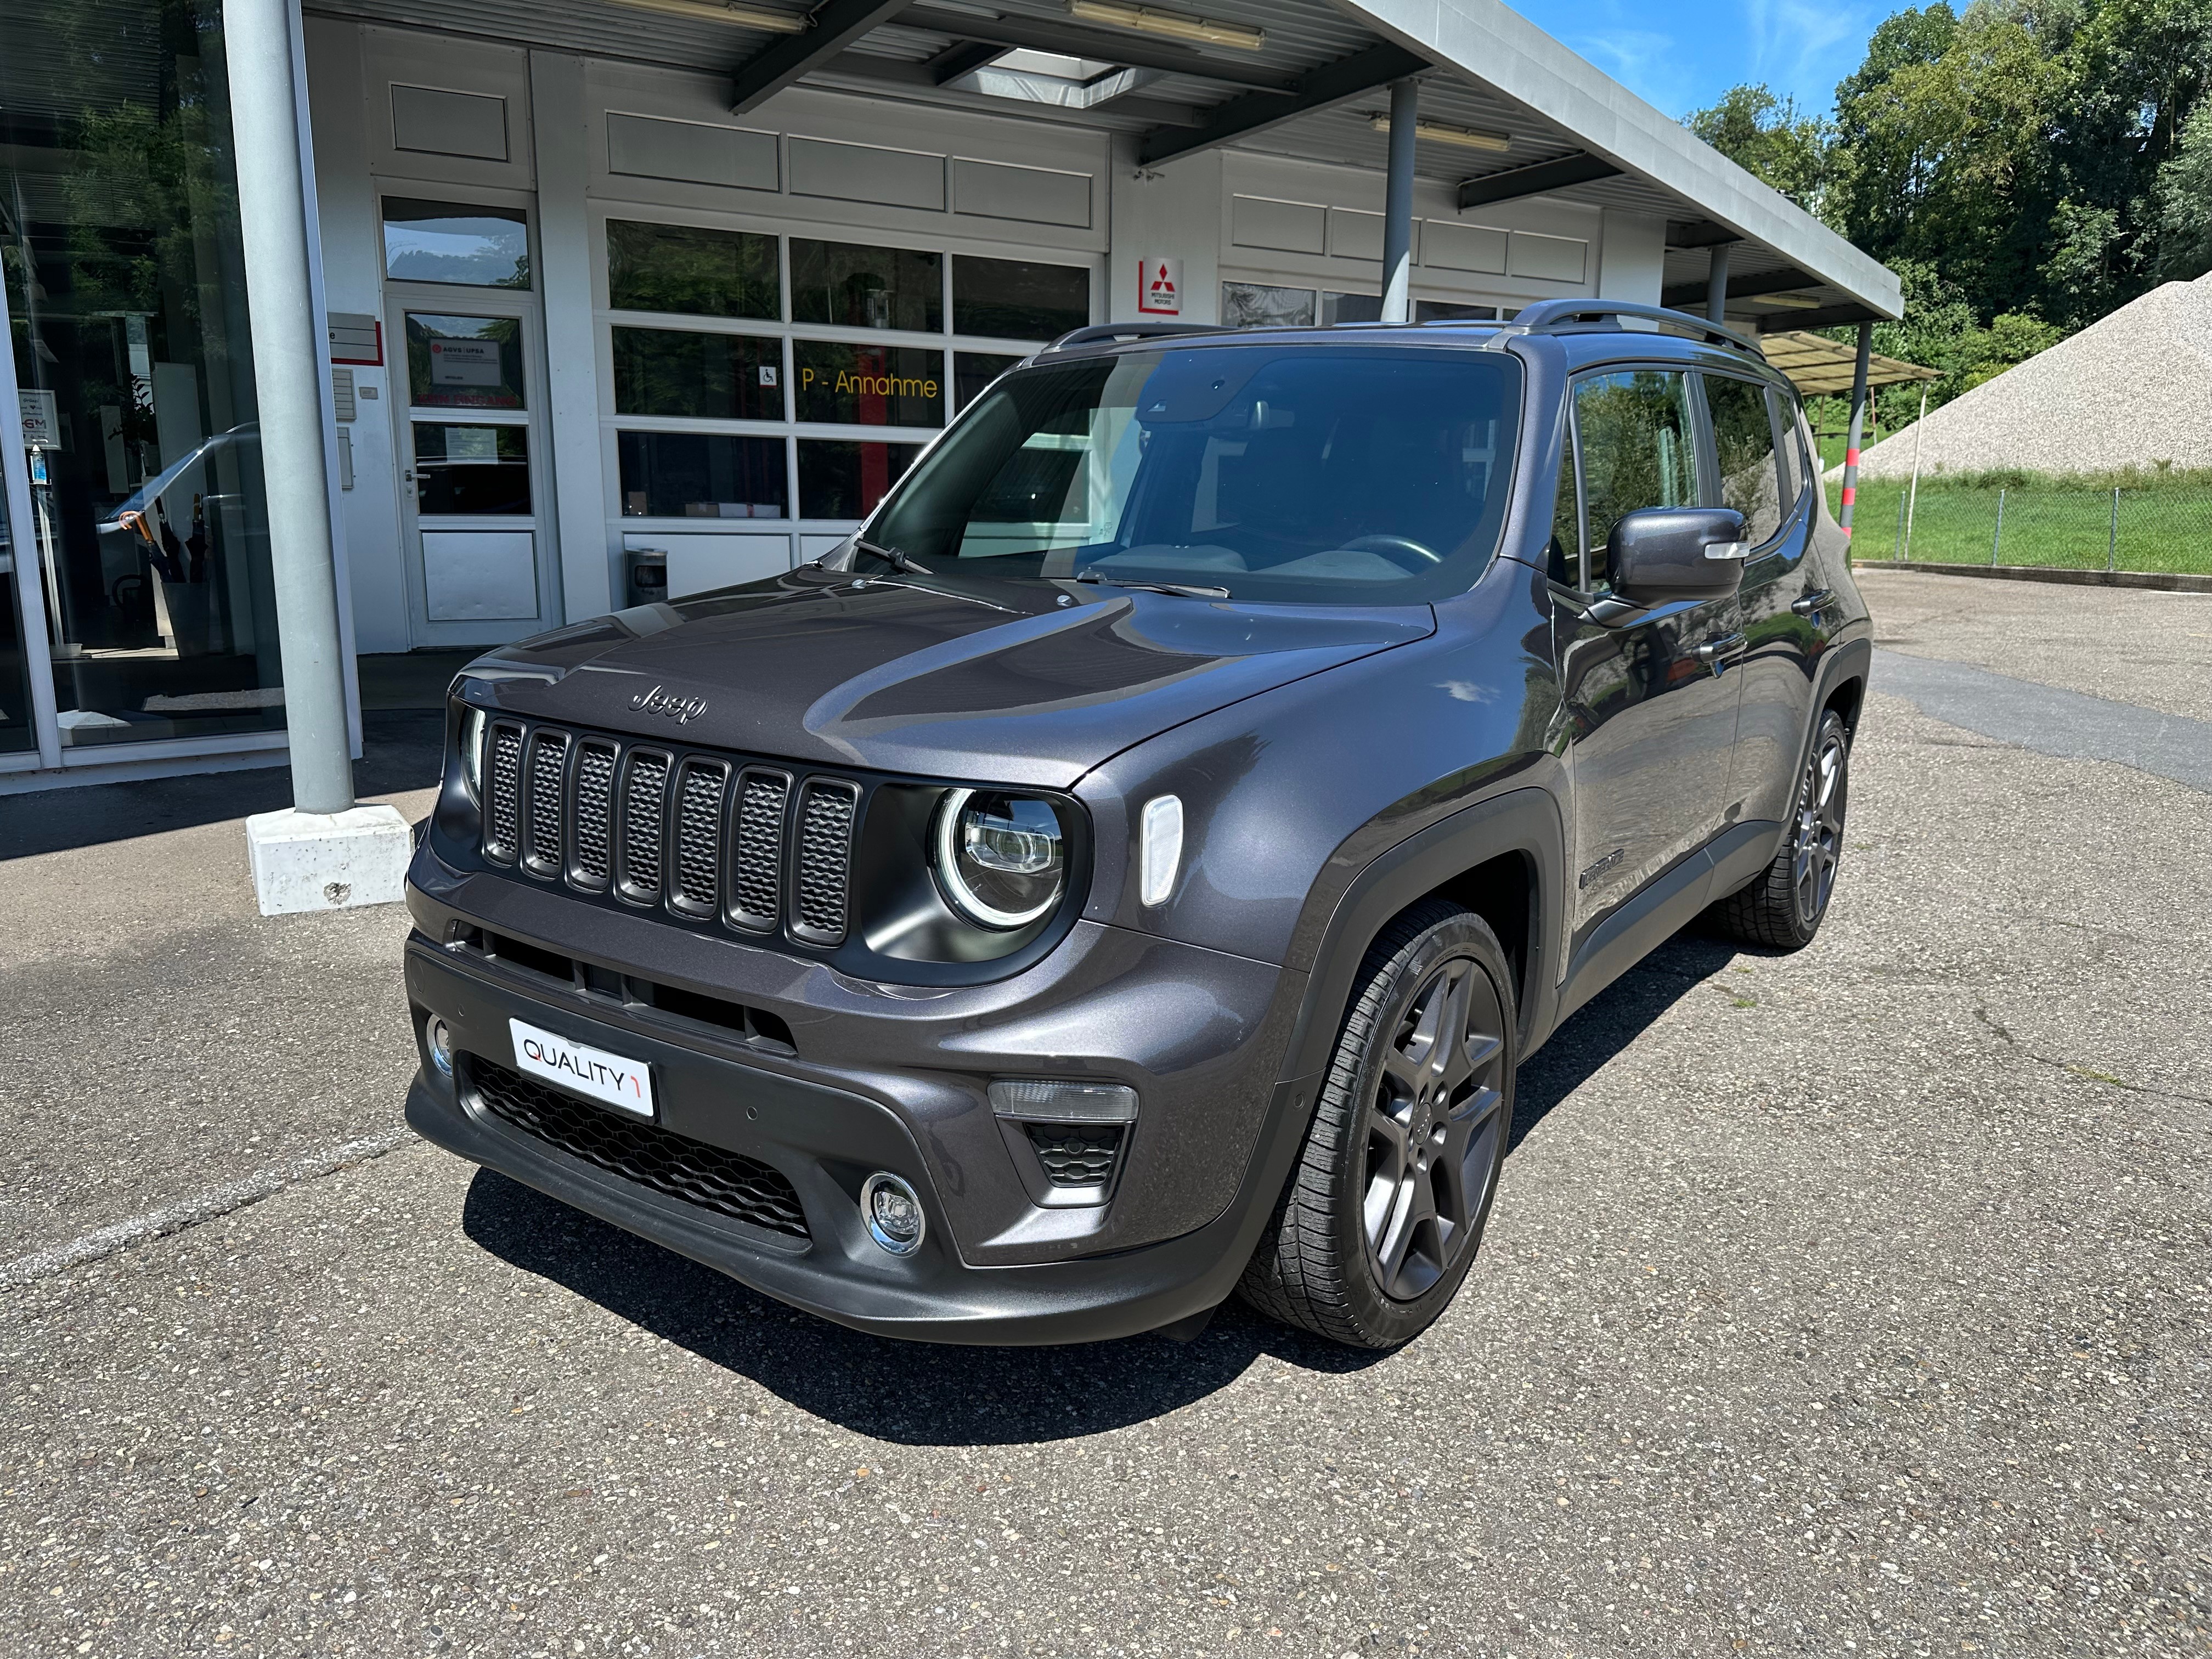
1636,439
1743,444
1791,449
1564,552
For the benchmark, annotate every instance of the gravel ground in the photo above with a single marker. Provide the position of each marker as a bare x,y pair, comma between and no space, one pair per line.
1854,1302
2142,646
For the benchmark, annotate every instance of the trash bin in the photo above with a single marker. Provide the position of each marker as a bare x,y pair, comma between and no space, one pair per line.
649,575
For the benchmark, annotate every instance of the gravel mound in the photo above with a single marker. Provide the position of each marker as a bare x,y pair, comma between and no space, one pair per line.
2134,389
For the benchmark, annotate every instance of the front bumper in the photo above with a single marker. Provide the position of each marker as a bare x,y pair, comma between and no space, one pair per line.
902,1087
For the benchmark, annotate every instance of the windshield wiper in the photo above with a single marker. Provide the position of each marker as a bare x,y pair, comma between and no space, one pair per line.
897,557
1184,589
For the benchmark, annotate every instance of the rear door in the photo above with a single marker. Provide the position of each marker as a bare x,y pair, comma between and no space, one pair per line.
1764,476
1650,717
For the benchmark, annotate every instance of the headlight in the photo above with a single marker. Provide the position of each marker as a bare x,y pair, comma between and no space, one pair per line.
1000,859
472,736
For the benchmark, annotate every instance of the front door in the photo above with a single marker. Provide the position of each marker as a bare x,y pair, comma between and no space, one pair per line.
1650,708
474,493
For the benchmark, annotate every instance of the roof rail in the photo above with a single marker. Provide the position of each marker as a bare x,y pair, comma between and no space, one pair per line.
1097,333
1564,316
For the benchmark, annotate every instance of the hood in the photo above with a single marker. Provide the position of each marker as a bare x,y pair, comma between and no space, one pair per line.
995,681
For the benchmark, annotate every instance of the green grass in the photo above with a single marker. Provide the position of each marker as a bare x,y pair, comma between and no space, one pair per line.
2163,522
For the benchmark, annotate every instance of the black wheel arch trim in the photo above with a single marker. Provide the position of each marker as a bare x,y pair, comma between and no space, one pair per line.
1526,821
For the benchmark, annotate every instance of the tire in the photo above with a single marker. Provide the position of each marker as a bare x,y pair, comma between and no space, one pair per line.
1782,908
1383,1214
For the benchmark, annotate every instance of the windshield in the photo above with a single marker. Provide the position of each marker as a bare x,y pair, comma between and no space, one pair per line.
1310,475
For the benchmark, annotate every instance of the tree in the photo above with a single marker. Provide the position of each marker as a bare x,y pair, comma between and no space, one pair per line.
1767,137
2183,245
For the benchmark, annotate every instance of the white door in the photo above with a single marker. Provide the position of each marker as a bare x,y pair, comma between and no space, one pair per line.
475,490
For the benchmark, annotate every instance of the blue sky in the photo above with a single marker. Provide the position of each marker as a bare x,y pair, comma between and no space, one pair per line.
1683,55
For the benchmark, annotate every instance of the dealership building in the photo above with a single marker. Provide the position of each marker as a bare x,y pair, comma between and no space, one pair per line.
610,292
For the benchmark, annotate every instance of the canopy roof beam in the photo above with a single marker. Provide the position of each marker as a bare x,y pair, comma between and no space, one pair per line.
1538,179
1691,296
835,25
1255,112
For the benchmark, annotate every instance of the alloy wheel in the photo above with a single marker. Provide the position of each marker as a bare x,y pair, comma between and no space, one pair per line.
1433,1129
1820,835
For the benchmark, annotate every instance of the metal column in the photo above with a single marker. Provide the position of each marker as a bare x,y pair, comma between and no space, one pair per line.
1717,284
1858,425
1398,204
267,128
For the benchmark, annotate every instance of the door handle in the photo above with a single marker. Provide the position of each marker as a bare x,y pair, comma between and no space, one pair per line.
1814,602
1714,650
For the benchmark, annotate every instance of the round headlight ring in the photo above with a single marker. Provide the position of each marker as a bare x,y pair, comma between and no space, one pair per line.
962,878
472,742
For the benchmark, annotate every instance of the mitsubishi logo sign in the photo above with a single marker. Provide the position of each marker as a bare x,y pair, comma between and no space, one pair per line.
1159,288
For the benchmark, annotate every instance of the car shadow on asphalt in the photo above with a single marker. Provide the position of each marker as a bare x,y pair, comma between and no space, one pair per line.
921,1393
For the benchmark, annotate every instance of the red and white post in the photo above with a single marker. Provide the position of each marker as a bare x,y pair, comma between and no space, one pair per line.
1858,427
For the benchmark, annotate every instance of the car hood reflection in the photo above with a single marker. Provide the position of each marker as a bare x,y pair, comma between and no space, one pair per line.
914,674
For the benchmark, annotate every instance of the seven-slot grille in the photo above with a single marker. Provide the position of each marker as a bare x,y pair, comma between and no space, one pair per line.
694,832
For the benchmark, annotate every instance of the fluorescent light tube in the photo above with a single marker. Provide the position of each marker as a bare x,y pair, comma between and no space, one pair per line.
1175,24
1436,132
744,17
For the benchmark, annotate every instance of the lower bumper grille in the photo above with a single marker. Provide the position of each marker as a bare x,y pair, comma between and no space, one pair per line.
727,1182
1076,1154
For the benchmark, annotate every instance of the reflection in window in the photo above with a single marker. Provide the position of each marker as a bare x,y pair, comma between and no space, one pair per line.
1255,305
1634,430
1743,445
866,287
721,377
972,371
697,475
1451,311
692,271
868,385
845,480
449,242
1350,308
464,362
472,470
126,287
1017,299
1792,452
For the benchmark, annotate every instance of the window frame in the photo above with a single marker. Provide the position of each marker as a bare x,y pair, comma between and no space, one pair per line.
945,344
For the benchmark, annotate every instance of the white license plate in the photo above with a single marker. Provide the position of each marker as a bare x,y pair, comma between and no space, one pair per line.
624,1085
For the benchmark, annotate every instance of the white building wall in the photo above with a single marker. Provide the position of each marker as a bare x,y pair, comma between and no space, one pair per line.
578,141
1632,258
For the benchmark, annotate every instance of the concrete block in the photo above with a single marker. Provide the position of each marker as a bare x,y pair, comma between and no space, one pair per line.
328,860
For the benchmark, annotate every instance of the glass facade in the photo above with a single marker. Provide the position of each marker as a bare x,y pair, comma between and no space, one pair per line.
738,399
126,295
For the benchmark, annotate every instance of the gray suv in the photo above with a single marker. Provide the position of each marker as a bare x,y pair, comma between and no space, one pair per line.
1131,870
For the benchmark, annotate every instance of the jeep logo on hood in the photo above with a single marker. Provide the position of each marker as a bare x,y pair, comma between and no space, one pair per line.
682,710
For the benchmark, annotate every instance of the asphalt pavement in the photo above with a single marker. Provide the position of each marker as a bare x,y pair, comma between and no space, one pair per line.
1848,1302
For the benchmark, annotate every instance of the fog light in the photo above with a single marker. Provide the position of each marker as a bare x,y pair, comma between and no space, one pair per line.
439,1041
893,1213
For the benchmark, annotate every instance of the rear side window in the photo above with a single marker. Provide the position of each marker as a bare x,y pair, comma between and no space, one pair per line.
1792,450
1743,446
1636,441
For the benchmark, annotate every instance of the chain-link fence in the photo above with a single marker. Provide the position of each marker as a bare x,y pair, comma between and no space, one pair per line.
2153,522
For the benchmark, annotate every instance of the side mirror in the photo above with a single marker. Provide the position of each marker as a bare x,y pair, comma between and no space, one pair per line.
1667,553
